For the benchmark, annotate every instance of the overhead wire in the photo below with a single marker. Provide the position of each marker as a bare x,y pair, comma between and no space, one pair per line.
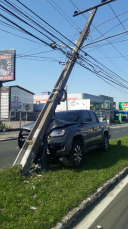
24,30
44,21
103,78
30,25
61,50
117,17
16,8
14,15
100,48
106,68
62,14
110,19
20,36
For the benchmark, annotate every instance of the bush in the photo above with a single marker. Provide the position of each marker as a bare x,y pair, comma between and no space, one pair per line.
4,126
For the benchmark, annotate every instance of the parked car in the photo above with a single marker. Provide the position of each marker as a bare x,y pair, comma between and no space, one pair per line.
70,134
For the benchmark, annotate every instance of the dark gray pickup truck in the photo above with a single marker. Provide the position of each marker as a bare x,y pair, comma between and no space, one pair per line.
70,134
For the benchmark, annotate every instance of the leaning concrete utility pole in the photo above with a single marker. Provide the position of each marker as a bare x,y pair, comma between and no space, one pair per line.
28,152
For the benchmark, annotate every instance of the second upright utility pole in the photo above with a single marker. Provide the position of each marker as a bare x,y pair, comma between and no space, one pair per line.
30,147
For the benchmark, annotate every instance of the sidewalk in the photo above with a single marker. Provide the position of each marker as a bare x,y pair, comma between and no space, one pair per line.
118,125
9,135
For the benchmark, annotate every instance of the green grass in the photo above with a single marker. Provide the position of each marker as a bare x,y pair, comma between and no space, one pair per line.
56,192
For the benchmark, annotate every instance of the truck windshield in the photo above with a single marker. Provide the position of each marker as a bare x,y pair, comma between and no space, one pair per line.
66,116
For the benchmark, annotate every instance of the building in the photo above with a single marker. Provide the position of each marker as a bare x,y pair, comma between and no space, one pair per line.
14,98
99,103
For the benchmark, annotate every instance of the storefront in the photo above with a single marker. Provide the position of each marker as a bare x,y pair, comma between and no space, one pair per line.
14,99
99,103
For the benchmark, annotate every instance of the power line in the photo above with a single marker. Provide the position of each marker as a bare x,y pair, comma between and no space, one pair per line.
45,22
24,30
14,15
19,36
62,14
20,11
113,42
117,17
111,29
105,38
108,41
67,56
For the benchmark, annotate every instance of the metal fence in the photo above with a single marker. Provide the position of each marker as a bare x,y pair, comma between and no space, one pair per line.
18,119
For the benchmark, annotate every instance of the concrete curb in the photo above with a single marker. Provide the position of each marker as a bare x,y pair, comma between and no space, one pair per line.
9,135
76,212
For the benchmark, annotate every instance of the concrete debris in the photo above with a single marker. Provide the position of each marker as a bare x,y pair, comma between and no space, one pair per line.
99,227
26,181
33,208
39,175
38,166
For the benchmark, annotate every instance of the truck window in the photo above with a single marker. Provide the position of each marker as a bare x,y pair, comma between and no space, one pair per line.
85,116
93,117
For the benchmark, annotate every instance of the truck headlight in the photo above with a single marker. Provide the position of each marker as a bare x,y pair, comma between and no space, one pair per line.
57,133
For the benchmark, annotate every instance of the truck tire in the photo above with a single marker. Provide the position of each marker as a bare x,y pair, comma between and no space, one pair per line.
76,155
105,146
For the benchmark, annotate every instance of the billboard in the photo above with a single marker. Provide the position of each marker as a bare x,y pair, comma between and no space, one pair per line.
4,103
7,65
123,106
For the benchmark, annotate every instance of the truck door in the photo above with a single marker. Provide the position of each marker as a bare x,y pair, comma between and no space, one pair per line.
96,129
87,128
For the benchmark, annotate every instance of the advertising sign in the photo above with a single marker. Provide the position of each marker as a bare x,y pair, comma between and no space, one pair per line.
46,93
4,103
16,105
79,104
106,105
120,117
7,65
123,106
96,106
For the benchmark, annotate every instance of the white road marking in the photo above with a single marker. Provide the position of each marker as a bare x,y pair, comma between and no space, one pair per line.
99,208
115,132
124,130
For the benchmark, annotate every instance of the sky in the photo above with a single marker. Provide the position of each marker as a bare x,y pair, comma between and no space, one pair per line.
38,66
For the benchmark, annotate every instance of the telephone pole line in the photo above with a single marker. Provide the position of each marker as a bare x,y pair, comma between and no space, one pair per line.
30,147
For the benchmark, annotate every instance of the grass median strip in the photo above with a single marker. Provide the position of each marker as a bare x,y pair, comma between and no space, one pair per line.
40,201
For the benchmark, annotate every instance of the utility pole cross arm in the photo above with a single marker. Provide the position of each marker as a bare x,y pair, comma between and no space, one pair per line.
93,7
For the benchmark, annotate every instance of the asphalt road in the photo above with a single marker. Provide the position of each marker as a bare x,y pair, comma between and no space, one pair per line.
108,213
118,132
9,149
115,216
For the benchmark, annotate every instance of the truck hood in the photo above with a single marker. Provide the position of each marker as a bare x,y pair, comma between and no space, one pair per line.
28,126
55,123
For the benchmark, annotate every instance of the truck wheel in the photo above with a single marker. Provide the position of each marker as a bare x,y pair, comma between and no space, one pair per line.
105,146
76,155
